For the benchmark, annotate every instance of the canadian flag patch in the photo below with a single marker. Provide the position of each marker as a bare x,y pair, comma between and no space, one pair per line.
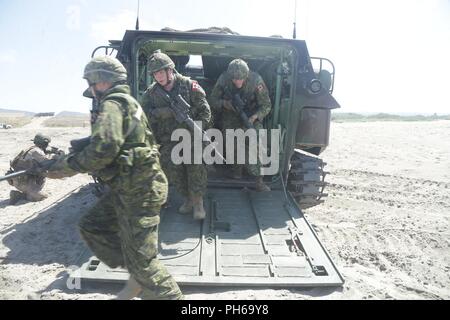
260,87
197,87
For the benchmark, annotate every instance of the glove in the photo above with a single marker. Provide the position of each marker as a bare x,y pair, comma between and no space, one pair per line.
60,169
253,118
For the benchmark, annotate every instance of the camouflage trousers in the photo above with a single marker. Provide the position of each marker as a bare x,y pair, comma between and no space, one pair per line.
188,179
231,120
31,186
122,230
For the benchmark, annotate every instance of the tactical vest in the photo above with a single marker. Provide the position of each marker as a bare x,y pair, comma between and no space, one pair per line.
184,85
247,92
163,128
20,157
139,148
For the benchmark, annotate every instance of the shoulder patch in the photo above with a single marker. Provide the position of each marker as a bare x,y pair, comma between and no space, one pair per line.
260,87
197,88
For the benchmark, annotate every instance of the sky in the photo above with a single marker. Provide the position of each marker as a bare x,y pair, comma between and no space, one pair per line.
390,55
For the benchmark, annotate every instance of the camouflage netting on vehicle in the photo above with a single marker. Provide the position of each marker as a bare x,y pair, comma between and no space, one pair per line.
223,30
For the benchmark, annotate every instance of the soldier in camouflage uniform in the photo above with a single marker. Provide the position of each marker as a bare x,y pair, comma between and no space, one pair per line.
190,180
253,91
122,228
29,186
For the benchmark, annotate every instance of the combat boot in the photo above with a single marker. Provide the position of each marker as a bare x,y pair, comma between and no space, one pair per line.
36,196
15,196
186,207
132,289
260,186
199,210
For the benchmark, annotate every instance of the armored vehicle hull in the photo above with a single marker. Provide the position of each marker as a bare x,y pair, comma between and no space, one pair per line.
247,238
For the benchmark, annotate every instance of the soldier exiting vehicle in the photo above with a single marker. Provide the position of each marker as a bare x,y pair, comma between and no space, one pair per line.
252,92
190,180
30,185
122,227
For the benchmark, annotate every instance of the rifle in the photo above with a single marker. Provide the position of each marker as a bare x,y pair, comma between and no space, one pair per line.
36,169
54,150
180,108
239,107
77,145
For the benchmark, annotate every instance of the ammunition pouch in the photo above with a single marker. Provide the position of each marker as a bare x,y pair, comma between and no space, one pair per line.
135,160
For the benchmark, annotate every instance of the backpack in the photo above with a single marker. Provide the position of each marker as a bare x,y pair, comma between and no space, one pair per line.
13,164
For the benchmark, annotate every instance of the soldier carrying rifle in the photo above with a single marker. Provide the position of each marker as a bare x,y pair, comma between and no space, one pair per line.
26,170
241,97
190,180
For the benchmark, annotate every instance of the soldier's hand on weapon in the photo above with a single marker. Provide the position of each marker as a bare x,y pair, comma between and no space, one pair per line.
162,113
56,151
78,145
227,105
253,118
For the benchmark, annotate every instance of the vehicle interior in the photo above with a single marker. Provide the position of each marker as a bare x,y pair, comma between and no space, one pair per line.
204,62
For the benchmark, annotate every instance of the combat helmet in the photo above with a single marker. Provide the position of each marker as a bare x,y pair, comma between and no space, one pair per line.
41,140
159,61
104,69
238,69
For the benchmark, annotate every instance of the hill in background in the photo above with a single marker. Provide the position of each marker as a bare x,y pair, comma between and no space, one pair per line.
10,112
68,114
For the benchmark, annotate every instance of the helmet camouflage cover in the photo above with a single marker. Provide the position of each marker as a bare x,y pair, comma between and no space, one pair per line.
238,69
104,69
41,139
159,61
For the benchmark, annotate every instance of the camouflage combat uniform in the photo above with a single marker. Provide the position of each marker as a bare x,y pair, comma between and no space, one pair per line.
122,228
189,179
254,94
30,185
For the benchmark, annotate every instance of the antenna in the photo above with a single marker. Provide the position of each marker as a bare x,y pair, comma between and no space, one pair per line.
294,34
137,18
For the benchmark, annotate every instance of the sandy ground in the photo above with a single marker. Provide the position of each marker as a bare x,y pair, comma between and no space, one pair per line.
385,222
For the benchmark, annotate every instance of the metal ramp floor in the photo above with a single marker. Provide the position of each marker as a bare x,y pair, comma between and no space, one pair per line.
247,239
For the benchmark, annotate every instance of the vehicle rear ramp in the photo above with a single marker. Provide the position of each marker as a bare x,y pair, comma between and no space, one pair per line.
246,239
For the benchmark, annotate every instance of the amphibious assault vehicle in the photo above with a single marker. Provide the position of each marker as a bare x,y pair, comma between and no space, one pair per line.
247,238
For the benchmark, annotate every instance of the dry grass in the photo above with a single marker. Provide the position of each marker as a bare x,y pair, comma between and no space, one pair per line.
67,122
15,121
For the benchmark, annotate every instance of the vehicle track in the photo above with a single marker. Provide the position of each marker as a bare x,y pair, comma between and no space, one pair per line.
392,190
